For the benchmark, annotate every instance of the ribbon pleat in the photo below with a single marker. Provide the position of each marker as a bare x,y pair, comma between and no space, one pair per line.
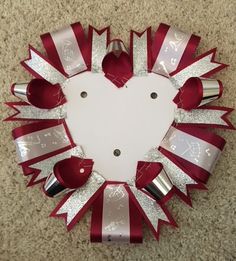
25,111
75,204
63,49
40,67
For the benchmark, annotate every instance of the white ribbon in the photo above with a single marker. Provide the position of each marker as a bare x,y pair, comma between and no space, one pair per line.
39,143
40,66
190,148
68,51
171,51
115,214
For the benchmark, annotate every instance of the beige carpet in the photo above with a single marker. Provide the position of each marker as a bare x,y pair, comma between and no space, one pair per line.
207,231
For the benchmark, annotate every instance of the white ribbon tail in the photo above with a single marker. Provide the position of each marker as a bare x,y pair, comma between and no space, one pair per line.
25,111
152,212
75,204
40,67
206,116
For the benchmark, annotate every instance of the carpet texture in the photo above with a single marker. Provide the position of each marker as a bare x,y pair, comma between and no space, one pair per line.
207,231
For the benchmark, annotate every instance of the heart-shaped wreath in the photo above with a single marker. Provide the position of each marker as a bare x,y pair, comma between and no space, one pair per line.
121,131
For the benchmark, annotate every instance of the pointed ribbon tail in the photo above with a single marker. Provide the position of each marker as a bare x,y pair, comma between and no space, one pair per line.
40,67
99,40
115,218
140,52
68,49
74,205
195,149
153,213
172,49
26,112
205,117
203,66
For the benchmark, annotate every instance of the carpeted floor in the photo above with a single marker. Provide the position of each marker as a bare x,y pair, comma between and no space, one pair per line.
207,231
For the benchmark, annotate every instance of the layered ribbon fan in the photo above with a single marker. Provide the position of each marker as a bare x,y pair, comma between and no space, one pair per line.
184,159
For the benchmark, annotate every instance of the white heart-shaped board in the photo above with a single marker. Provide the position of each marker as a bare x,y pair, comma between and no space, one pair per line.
106,120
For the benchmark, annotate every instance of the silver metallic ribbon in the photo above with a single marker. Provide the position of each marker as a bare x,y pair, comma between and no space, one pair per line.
211,90
151,208
116,215
33,113
196,69
46,166
80,197
41,142
177,176
99,50
171,51
190,148
69,51
44,69
201,116
140,54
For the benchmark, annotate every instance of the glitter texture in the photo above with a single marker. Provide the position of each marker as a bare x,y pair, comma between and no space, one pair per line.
44,69
200,116
152,209
80,197
99,49
178,177
196,69
31,112
140,54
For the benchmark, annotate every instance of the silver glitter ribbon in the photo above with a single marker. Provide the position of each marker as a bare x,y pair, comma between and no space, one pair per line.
28,112
115,215
178,177
140,54
171,51
68,51
46,166
151,208
39,65
99,49
201,116
190,148
80,197
196,69
39,143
